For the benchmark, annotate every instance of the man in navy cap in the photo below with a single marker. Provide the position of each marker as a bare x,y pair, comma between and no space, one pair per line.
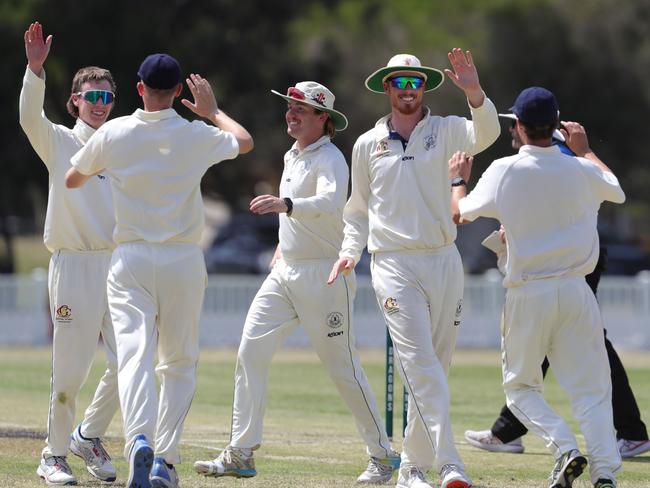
155,160
548,204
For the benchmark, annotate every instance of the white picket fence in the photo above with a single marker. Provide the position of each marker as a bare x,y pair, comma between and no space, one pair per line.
624,301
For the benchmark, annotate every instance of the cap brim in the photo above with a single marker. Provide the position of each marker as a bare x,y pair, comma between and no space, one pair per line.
556,133
435,77
340,120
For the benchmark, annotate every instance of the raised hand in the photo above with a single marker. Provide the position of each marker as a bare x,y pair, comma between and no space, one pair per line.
575,137
36,48
205,104
460,164
465,75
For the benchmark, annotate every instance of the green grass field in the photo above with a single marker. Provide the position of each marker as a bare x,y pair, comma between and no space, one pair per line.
310,438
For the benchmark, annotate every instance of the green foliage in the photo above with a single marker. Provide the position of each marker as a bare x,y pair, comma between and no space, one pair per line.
594,54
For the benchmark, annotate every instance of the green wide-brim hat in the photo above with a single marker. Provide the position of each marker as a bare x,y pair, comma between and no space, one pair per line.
319,97
404,64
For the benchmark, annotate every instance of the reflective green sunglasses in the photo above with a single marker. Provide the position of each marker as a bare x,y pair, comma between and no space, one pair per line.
94,96
402,82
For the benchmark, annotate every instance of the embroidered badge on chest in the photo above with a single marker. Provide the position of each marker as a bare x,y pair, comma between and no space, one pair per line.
430,142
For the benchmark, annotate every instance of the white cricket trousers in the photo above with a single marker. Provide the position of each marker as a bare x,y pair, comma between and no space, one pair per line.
79,310
297,293
155,295
560,319
420,294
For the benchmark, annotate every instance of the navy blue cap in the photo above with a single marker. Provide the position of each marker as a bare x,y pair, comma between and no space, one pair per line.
160,71
536,106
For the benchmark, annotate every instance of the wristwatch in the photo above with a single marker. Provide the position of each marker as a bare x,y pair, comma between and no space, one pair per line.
458,181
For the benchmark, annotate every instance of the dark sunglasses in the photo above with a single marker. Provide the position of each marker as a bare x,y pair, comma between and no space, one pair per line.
402,82
94,96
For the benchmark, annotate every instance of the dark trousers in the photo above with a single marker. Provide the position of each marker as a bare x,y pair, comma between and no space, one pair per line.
627,418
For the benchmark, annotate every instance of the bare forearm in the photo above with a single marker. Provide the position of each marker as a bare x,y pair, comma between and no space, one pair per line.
225,123
457,192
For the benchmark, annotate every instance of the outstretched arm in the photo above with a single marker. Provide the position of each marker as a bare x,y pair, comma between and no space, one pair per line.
205,105
36,48
465,76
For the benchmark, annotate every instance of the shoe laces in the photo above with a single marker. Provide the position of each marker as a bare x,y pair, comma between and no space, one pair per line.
447,468
99,450
232,455
414,472
59,461
375,466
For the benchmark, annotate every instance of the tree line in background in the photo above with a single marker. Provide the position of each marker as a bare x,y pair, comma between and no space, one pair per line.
593,54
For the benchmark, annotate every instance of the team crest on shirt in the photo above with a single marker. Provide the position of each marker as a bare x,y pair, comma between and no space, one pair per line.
335,320
430,142
64,314
459,311
391,306
381,147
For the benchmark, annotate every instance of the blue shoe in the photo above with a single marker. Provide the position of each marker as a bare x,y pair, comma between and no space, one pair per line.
140,461
162,476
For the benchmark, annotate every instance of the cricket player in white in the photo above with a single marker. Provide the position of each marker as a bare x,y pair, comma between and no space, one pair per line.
313,190
155,160
548,204
78,233
400,207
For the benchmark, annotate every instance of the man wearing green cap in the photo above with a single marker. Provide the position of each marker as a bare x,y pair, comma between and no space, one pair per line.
400,206
312,196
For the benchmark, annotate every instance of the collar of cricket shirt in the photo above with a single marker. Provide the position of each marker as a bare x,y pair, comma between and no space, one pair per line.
82,131
167,113
312,147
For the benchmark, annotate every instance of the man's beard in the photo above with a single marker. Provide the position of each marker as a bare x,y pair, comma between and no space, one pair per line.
408,108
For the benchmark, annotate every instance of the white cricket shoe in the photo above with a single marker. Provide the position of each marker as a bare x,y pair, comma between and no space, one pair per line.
453,476
630,449
485,439
411,477
380,470
98,462
55,470
231,462
568,467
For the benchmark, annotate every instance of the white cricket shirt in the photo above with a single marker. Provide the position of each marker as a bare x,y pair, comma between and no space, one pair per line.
80,220
316,180
401,198
548,204
155,162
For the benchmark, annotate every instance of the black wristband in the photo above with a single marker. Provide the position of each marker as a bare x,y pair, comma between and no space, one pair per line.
289,204
458,181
